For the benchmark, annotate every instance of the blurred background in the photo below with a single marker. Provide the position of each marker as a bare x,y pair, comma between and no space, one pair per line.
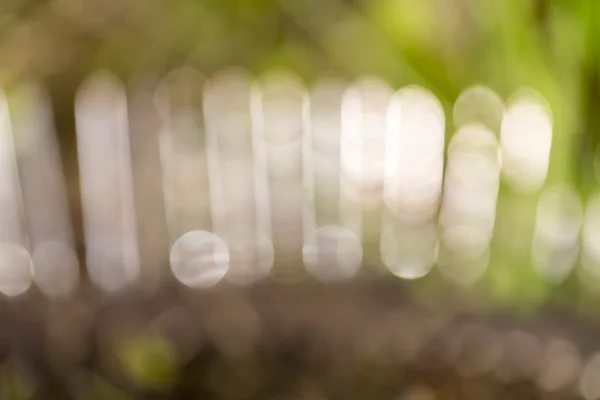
299,199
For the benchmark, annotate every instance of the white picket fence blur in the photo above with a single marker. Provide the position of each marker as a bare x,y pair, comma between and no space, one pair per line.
238,178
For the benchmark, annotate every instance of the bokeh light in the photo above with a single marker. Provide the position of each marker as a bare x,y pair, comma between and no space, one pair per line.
362,153
364,128
238,172
322,158
382,199
199,259
183,156
282,111
478,104
414,160
56,268
326,117
409,251
414,154
555,246
468,211
16,271
106,182
48,222
332,253
15,261
11,227
251,257
526,141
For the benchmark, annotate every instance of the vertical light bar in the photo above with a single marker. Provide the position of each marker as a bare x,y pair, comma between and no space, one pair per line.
325,133
468,211
183,153
43,185
526,140
414,164
15,261
555,245
331,252
106,182
198,257
282,111
364,128
240,207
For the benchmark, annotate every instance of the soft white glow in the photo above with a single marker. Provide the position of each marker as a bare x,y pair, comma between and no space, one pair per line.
408,251
283,102
251,257
227,93
326,116
15,262
552,262
56,268
363,159
478,104
199,259
322,155
478,140
468,209
15,269
332,253
526,141
555,244
185,178
44,193
281,107
11,228
179,96
238,176
414,162
471,184
414,157
178,99
362,152
106,182
211,184
283,99
464,254
471,207
364,127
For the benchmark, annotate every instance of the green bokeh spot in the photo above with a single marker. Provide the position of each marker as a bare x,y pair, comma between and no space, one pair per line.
149,360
